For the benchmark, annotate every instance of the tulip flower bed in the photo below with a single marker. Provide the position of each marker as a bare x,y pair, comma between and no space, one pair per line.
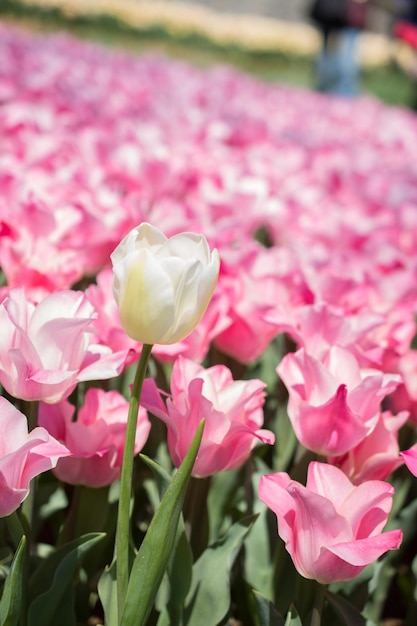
220,275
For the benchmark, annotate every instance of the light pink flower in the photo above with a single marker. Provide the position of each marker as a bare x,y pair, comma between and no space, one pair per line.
331,528
23,456
333,404
96,439
232,410
46,349
378,454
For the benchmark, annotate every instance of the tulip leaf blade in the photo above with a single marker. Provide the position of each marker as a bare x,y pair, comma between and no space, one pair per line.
265,612
177,581
293,619
208,600
348,613
11,600
51,586
258,560
154,553
107,592
163,479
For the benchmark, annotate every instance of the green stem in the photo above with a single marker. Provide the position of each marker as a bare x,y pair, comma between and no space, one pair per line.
123,516
28,504
67,533
32,414
15,528
318,605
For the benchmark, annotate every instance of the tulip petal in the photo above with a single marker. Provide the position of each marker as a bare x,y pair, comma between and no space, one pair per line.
410,459
358,553
147,306
330,429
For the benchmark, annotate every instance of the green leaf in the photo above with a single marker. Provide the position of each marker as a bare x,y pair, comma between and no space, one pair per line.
175,585
293,619
348,613
286,440
107,591
221,498
266,613
178,581
152,558
11,600
258,559
51,586
179,576
162,477
209,598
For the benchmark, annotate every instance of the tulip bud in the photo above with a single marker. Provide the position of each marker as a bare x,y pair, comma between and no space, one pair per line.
162,286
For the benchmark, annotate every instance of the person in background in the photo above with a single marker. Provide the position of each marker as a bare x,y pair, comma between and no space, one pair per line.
340,23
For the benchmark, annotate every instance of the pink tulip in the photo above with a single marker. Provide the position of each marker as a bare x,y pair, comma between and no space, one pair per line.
333,403
95,439
46,349
410,459
318,327
23,456
232,410
378,454
332,529
254,284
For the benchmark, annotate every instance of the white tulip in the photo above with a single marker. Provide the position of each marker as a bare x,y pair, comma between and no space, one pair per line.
162,285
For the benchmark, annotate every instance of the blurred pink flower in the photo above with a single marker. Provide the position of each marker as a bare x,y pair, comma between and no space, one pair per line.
333,403
319,326
332,529
261,288
23,456
232,410
46,349
95,439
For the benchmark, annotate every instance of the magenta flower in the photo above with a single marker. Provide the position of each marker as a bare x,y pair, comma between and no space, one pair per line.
231,408
46,349
332,529
96,439
23,456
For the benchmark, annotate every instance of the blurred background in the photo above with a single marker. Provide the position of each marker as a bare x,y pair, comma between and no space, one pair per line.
275,40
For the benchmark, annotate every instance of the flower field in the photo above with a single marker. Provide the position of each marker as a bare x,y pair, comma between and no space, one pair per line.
221,275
